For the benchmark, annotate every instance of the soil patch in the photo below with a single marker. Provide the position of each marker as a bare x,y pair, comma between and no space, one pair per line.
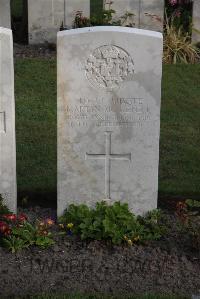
46,51
166,266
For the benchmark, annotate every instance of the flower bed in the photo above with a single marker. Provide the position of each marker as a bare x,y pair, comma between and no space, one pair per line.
170,264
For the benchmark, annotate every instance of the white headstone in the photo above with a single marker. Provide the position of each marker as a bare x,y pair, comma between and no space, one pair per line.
45,17
7,121
71,7
196,21
5,13
148,14
109,90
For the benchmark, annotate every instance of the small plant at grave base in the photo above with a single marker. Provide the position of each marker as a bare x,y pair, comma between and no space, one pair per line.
181,12
188,213
110,222
105,17
177,45
17,233
81,21
177,42
153,227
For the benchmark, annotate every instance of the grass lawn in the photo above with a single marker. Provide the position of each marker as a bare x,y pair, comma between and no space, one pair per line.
179,173
35,86
16,7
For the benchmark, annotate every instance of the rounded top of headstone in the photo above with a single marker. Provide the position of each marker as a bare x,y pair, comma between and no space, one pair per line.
119,29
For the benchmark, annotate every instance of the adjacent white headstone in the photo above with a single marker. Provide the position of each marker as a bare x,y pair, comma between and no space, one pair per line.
196,21
7,121
151,14
109,90
122,7
148,14
45,17
71,7
5,14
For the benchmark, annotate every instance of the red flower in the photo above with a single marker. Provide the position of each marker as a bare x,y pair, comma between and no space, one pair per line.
10,217
22,218
7,232
3,227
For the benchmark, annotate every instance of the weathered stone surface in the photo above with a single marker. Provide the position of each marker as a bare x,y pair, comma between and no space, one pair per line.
7,121
151,14
196,21
148,14
121,7
109,85
46,17
5,14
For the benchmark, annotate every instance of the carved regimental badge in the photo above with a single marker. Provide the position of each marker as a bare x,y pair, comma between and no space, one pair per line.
108,66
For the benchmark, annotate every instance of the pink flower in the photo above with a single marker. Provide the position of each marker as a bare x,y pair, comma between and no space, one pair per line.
22,218
10,217
178,14
173,2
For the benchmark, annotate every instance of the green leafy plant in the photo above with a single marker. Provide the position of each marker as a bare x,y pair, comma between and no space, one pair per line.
194,204
105,17
17,233
14,244
110,222
181,12
153,227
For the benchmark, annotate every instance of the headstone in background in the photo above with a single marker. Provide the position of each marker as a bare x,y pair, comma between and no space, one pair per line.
148,14
5,14
109,90
152,15
196,21
45,17
7,121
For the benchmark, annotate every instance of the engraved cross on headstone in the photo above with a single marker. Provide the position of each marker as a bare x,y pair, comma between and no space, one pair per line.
107,157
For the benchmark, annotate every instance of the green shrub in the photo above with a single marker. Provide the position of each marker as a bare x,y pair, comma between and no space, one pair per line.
111,222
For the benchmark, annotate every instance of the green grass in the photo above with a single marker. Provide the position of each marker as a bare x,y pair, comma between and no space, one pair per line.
35,86
16,8
180,131
103,297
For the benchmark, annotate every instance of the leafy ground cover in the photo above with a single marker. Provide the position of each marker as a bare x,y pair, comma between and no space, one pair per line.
35,86
104,250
